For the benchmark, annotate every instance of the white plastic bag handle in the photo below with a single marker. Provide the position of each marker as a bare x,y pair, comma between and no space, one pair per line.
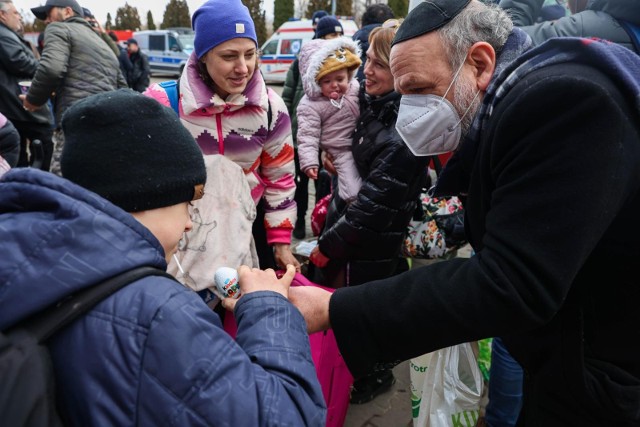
452,389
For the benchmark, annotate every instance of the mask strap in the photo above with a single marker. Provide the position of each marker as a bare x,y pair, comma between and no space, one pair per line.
453,80
467,110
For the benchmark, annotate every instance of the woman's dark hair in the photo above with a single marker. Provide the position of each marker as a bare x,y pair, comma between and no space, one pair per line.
204,75
377,14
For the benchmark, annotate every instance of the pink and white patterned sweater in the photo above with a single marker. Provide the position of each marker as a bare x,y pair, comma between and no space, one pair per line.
236,127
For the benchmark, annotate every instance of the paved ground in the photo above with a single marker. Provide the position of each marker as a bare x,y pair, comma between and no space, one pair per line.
391,409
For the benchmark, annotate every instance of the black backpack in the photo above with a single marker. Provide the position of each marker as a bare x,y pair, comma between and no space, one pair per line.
27,388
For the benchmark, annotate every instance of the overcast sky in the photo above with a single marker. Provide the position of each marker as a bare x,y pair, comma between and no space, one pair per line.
100,8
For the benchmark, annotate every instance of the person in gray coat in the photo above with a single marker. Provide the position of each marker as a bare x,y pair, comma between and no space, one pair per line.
75,64
17,64
590,18
9,141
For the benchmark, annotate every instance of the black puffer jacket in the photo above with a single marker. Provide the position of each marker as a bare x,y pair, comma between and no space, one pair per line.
368,233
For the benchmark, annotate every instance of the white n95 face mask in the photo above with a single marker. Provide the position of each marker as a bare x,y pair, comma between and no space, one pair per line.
428,124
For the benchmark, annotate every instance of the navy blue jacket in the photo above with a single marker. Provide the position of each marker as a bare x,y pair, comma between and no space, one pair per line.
153,353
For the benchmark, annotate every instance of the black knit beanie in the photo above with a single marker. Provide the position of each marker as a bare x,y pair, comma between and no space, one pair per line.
132,151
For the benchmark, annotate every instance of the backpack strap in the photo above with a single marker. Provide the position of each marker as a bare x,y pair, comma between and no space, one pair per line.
172,88
44,325
269,115
634,33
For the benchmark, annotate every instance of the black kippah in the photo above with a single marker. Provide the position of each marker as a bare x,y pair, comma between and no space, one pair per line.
132,151
427,16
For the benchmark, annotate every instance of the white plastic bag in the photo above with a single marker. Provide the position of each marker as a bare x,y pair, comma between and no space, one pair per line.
417,371
452,389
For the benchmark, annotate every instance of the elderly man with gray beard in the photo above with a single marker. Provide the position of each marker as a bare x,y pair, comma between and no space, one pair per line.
546,147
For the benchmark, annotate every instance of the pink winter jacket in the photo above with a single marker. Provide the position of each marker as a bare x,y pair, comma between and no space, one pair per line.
322,125
236,127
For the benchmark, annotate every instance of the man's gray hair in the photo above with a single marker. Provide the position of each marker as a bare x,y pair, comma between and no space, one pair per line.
4,4
475,23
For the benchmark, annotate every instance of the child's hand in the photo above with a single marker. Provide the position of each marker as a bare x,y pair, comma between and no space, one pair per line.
312,173
254,279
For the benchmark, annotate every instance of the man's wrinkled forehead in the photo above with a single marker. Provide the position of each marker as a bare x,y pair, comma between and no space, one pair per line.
408,62
428,16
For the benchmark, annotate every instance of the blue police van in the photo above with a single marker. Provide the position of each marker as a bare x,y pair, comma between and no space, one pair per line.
167,50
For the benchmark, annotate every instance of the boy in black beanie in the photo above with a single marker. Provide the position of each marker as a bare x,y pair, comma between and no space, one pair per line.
153,352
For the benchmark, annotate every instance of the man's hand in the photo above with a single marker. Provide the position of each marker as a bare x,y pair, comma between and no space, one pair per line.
27,105
254,279
313,303
317,258
283,255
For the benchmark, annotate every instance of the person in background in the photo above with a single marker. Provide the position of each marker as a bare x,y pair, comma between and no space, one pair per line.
552,10
95,25
361,241
17,64
9,142
546,145
75,63
316,17
329,109
153,352
40,45
230,111
372,18
328,27
123,56
592,18
292,93
33,47
139,75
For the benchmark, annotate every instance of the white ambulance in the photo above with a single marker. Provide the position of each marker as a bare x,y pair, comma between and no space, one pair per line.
282,48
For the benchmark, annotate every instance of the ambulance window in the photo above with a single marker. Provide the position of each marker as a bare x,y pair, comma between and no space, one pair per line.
156,42
290,46
270,48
